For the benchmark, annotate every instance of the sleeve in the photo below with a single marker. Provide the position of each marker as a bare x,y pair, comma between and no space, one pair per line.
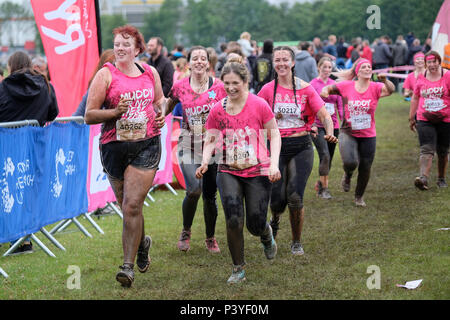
407,83
264,94
315,102
82,106
167,78
53,110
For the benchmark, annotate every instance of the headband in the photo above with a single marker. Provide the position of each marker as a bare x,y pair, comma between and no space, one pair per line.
360,64
430,57
419,55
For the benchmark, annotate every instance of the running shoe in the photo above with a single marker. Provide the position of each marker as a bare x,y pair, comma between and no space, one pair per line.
346,182
211,245
270,249
237,275
297,248
421,183
275,225
325,194
441,183
183,242
126,275
143,259
359,202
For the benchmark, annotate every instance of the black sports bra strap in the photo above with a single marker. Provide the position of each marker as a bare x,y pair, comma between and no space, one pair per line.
139,67
211,81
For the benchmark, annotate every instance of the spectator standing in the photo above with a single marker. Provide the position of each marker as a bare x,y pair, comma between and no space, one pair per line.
305,64
245,44
330,48
382,54
162,64
263,71
415,48
341,49
367,51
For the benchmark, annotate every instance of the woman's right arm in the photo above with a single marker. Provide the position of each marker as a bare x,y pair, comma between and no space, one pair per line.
331,89
97,94
170,105
413,111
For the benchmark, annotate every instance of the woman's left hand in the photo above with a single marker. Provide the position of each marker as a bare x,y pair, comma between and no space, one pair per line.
160,120
331,138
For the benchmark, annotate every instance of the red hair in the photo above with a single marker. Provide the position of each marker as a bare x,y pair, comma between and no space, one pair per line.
127,31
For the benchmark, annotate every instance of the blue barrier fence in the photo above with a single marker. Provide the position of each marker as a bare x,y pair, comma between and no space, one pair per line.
41,183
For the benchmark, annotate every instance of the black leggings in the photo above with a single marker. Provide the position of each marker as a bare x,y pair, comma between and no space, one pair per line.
325,150
433,137
296,163
357,153
235,193
194,188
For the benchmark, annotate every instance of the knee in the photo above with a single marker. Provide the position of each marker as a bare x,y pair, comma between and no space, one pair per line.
194,193
350,165
295,201
427,149
277,206
234,222
131,207
442,151
324,166
256,227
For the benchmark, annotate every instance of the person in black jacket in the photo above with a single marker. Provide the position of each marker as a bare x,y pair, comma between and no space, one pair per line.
26,94
263,70
162,64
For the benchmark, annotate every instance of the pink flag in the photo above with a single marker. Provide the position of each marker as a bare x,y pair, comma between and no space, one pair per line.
69,34
441,29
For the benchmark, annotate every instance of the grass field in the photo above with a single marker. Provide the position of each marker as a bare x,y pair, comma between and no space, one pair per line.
397,232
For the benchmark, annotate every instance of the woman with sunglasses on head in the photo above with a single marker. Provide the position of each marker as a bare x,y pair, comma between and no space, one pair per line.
197,93
357,136
430,115
296,105
411,79
325,149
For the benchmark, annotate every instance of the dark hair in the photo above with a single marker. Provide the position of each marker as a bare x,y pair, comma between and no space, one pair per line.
268,46
127,31
305,45
196,48
292,53
107,56
435,54
235,65
20,62
159,41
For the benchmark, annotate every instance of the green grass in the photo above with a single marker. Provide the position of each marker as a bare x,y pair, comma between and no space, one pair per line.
396,232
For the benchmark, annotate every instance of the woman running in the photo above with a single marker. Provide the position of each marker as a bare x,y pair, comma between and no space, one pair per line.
411,79
324,148
295,104
130,140
197,93
237,126
430,115
357,136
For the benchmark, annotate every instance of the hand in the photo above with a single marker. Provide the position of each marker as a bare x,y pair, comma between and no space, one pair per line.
331,138
201,171
274,174
122,106
314,131
160,120
324,93
412,124
381,77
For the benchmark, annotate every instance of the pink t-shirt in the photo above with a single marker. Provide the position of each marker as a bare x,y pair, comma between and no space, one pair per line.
140,114
244,150
359,108
332,103
292,118
434,97
410,81
196,106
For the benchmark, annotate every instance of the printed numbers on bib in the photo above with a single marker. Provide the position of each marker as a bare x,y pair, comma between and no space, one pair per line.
131,129
288,116
360,122
433,104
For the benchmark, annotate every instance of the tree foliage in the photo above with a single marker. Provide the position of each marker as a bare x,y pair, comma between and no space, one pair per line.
108,23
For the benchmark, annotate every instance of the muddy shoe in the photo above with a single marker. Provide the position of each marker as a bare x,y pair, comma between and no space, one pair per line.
441,183
183,242
325,194
346,182
143,259
359,202
421,183
126,275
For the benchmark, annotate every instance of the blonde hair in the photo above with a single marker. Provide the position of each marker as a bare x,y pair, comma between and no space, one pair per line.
235,65
245,35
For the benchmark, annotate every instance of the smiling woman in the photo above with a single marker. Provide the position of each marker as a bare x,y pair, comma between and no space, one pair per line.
130,141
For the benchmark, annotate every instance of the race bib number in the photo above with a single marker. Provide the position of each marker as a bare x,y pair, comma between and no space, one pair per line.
330,108
288,116
131,129
434,105
197,124
361,122
241,157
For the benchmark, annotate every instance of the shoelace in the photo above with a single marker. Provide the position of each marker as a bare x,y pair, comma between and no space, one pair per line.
185,235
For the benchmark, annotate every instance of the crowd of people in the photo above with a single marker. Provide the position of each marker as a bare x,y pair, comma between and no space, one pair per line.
250,118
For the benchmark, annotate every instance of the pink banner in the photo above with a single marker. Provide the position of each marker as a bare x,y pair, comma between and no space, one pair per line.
98,187
165,170
68,31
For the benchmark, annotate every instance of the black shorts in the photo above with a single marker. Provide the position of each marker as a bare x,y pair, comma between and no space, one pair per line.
116,156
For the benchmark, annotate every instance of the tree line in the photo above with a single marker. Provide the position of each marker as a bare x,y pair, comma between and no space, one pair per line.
209,22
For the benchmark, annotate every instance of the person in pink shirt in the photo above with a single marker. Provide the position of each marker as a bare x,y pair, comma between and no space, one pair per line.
357,136
236,128
325,149
430,115
411,79
197,94
296,105
130,143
